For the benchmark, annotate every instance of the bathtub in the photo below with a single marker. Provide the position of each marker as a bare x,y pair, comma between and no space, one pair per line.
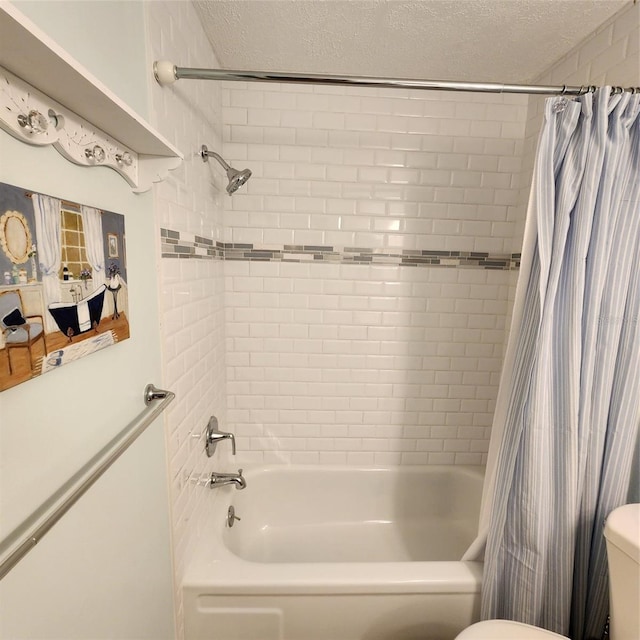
338,553
73,318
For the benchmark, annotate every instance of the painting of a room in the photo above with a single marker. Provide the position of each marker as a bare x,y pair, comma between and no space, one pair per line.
63,293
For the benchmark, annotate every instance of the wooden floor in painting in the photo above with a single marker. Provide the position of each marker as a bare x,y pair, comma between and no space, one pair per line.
21,366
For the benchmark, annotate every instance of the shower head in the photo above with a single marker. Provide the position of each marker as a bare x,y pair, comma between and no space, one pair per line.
236,178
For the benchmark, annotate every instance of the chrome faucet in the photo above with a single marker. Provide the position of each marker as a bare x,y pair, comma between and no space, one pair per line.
222,479
214,436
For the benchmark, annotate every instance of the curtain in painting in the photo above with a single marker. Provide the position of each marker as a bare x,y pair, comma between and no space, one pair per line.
47,215
567,416
94,243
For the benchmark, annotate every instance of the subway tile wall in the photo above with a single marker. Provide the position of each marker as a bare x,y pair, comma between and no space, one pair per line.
392,169
355,363
609,56
191,292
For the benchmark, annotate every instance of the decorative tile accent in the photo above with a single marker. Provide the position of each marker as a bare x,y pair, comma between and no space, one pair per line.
174,246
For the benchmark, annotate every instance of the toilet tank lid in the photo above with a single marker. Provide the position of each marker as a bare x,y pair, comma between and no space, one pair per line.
622,529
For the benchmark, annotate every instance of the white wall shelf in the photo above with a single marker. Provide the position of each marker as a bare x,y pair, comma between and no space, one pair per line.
44,70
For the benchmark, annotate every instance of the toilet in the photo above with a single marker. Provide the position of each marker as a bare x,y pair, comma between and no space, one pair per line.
622,535
506,630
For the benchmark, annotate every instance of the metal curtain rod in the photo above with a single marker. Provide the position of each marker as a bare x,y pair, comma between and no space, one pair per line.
27,534
166,72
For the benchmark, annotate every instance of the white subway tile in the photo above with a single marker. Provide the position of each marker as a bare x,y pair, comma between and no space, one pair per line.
325,120
401,141
296,119
376,140
310,137
346,103
240,98
284,135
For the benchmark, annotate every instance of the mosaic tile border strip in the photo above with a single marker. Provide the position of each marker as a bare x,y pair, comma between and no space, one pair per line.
176,244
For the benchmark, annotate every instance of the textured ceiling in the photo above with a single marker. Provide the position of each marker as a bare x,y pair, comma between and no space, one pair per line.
511,41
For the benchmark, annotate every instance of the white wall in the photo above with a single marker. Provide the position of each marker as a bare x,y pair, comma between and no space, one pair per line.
189,204
331,361
104,36
104,570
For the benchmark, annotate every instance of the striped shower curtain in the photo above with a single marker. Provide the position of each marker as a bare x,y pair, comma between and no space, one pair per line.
566,422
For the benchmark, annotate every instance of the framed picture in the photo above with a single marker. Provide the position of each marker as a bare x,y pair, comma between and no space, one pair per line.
68,323
112,240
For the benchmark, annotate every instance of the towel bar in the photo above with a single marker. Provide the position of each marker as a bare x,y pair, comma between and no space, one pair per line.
27,534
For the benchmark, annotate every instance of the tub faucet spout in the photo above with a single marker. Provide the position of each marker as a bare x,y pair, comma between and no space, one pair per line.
222,479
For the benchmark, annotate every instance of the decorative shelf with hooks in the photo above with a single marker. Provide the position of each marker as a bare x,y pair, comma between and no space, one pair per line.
48,98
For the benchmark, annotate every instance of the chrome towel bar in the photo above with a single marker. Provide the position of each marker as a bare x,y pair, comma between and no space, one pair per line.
27,534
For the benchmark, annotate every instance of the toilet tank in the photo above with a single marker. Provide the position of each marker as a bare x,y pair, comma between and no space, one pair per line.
622,534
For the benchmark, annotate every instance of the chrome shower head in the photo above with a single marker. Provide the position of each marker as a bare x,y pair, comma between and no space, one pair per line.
236,178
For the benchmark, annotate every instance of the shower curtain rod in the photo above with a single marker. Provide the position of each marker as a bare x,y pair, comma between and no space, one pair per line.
166,72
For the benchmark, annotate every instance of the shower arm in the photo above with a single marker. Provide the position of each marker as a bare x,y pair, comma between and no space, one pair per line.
166,73
206,154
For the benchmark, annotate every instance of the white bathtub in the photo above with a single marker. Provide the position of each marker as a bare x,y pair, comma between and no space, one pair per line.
339,553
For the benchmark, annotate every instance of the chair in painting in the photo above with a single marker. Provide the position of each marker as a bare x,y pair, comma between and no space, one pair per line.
19,331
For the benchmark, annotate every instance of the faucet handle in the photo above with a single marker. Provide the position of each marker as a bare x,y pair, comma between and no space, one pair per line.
214,435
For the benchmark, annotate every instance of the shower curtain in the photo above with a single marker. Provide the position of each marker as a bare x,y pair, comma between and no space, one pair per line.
568,408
